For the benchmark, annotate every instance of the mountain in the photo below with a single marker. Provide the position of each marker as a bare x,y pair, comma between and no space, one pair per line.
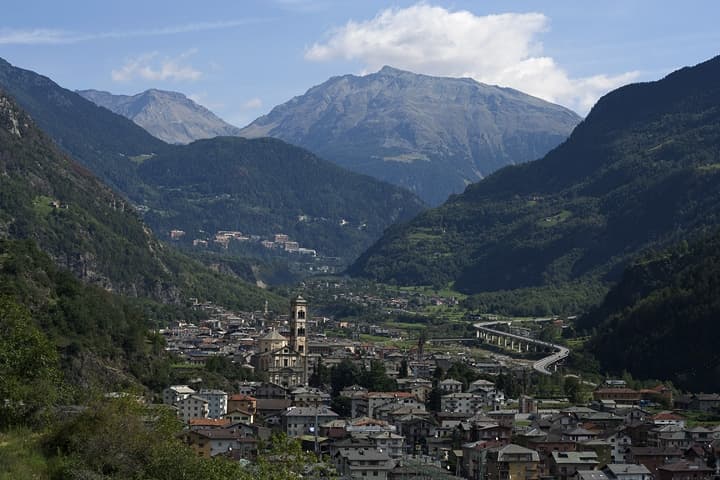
134,162
102,141
428,134
169,116
86,228
640,171
266,186
661,319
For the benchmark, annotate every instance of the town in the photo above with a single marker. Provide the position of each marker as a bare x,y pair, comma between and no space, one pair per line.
373,410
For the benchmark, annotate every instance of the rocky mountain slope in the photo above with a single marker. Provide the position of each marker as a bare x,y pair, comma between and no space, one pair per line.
641,171
431,135
169,116
285,189
52,201
99,139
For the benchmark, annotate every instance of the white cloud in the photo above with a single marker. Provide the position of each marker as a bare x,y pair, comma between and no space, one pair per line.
149,67
497,49
252,104
48,36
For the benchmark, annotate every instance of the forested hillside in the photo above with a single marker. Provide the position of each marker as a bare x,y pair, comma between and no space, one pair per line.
641,171
267,186
661,319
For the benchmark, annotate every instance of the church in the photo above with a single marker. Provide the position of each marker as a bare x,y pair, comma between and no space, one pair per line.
285,361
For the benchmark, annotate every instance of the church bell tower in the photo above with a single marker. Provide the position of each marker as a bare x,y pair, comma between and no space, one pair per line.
298,319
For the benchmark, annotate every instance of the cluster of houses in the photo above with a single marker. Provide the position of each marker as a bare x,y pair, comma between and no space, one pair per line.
477,433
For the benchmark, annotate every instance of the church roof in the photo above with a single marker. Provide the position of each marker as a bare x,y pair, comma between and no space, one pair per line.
272,335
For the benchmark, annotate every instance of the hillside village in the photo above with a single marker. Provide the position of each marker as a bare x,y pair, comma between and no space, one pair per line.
423,425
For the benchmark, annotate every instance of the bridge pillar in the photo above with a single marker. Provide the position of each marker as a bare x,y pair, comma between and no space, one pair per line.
506,341
512,344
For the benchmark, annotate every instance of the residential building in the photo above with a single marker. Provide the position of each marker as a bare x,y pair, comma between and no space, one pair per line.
217,402
297,421
564,465
173,394
685,471
193,407
512,462
627,471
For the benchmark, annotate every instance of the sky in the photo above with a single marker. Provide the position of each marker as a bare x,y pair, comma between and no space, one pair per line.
242,58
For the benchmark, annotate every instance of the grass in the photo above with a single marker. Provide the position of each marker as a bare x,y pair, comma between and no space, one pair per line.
41,205
553,220
138,159
20,456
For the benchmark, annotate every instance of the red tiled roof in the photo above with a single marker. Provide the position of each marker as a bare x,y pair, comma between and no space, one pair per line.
209,422
239,397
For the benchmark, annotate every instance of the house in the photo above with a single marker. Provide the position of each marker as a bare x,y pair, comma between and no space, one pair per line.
363,463
653,457
173,394
297,421
214,441
474,458
627,471
309,397
193,407
389,442
564,465
619,395
668,418
450,385
512,462
239,415
242,401
684,470
217,402
468,403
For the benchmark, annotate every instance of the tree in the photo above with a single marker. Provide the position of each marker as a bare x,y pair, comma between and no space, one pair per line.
375,379
573,389
434,399
343,375
403,373
29,376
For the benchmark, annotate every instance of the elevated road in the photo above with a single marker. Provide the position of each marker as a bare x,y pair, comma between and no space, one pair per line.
542,365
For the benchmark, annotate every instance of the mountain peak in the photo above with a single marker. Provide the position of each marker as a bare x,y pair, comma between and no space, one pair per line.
169,116
432,135
388,70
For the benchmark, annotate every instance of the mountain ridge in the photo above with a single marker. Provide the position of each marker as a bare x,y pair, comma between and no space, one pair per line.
432,135
167,115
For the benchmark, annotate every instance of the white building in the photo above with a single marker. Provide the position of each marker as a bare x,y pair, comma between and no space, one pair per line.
217,402
192,407
174,393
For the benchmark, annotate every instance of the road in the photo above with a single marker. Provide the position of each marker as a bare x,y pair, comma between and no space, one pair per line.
541,365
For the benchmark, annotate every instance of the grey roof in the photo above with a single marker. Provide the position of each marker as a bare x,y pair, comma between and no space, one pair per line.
591,475
309,412
364,454
627,468
587,458
513,449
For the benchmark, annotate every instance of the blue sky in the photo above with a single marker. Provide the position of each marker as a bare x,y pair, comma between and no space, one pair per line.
241,58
